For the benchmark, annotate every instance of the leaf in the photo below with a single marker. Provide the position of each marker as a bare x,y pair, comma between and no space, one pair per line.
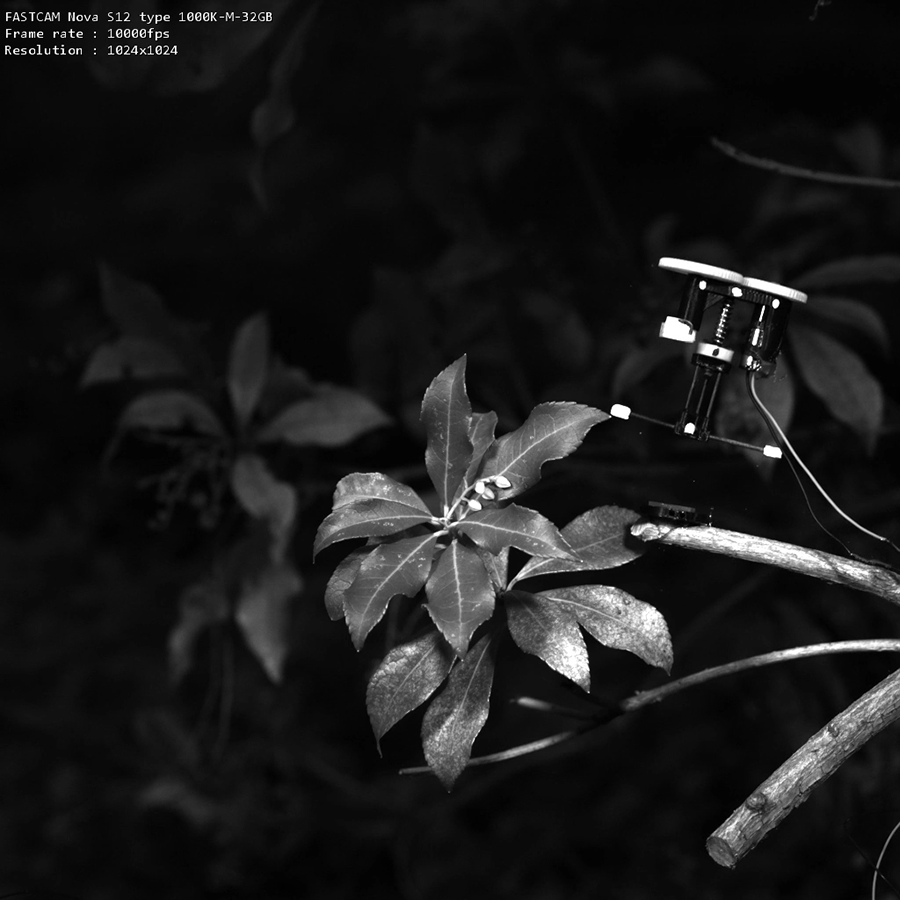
837,375
171,411
458,714
263,496
367,518
274,116
340,582
446,414
848,313
460,595
551,431
618,620
333,417
738,418
399,567
514,526
130,357
853,270
248,365
863,146
406,678
597,539
375,486
263,614
136,308
200,606
481,435
496,565
139,312
550,632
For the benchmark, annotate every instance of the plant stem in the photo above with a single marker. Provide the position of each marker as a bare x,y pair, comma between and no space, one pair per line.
771,165
645,698
815,761
871,578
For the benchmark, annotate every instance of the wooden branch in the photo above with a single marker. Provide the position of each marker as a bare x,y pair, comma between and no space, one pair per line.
827,750
873,579
814,762
772,165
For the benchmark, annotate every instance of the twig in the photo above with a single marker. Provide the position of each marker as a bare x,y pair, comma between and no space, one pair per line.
815,761
655,695
873,579
772,165
645,698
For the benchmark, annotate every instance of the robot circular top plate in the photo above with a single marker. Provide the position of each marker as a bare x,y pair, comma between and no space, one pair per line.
689,267
776,290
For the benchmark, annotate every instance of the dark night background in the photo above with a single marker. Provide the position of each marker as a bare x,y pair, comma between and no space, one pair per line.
427,179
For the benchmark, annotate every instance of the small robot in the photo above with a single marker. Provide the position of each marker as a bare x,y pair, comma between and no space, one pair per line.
704,287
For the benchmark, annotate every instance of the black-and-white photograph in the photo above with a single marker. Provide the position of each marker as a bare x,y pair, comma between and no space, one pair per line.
450,449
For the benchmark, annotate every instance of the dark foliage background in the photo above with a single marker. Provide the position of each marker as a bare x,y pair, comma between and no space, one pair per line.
418,180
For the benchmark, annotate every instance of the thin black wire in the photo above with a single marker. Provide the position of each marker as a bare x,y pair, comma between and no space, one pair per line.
764,413
868,859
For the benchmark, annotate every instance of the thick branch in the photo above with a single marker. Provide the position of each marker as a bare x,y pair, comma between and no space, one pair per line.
872,579
815,761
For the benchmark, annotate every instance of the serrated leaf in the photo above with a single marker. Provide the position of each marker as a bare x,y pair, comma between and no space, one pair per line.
263,496
333,417
597,540
446,415
460,595
340,582
514,526
171,411
848,313
549,631
841,380
551,431
455,718
853,270
406,678
130,357
496,565
374,486
481,435
398,567
200,606
248,366
367,518
263,614
618,620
